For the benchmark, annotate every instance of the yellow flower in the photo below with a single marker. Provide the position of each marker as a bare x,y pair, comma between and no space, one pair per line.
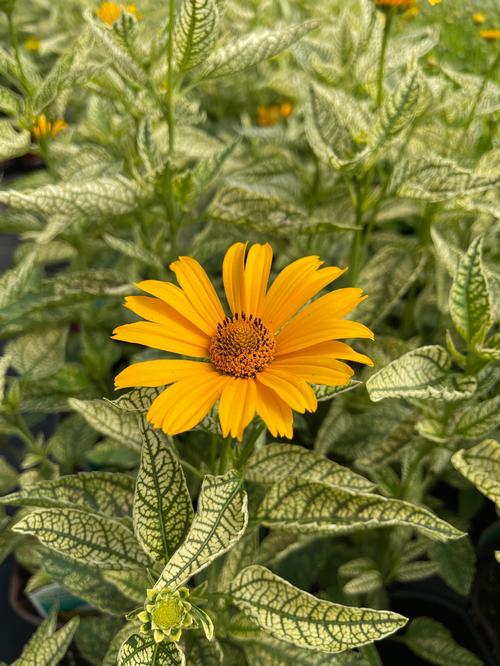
272,114
109,12
411,13
43,128
435,2
260,358
479,18
490,35
32,44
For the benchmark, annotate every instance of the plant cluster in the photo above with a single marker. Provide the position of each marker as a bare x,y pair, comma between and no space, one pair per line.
361,132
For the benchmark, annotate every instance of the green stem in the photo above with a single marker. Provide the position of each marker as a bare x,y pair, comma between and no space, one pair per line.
357,241
15,46
192,469
226,445
381,62
170,77
248,448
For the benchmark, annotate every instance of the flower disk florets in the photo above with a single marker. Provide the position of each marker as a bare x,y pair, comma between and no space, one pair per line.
167,613
242,346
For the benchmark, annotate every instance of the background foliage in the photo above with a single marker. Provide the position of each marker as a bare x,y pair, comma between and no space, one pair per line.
177,129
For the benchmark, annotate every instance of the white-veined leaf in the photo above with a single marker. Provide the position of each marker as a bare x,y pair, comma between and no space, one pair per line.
37,355
431,641
423,373
143,651
110,421
101,492
133,584
364,583
456,561
137,400
46,648
111,656
133,251
481,465
277,462
91,198
10,102
195,32
93,636
162,505
219,522
469,297
14,282
475,421
411,571
324,393
202,652
297,617
13,143
306,507
86,537
251,49
8,475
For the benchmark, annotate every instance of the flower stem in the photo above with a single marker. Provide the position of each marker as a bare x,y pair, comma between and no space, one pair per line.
357,241
381,62
170,77
247,449
15,46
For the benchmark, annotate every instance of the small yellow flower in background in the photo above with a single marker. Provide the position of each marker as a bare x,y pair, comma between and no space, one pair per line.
479,18
43,128
490,35
109,12
32,44
272,114
261,358
411,13
435,2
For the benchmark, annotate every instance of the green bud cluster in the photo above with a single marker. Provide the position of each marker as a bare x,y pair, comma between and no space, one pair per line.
166,613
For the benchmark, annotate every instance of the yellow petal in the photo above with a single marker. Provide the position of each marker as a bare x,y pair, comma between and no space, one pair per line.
331,349
233,271
184,404
178,337
237,406
318,330
327,372
257,269
290,388
275,413
199,290
160,372
177,299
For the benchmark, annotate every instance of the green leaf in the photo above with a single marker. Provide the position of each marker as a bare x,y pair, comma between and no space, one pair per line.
110,421
306,507
92,198
162,504
324,393
143,651
251,49
412,571
107,493
423,373
202,652
8,476
10,102
364,583
277,462
297,617
481,465
38,355
94,635
85,581
133,584
111,656
470,306
456,561
383,451
431,641
137,400
47,649
13,143
475,421
133,251
195,32
86,537
52,83
14,282
220,520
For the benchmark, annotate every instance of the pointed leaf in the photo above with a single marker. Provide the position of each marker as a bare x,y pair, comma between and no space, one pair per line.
93,636
110,421
48,650
12,143
195,32
431,641
143,651
220,520
481,465
202,652
277,462
456,561
305,507
299,618
475,421
162,504
85,537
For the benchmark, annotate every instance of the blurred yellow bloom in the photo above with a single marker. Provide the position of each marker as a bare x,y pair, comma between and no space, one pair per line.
490,35
109,12
43,128
412,12
32,44
273,113
261,358
479,18
435,2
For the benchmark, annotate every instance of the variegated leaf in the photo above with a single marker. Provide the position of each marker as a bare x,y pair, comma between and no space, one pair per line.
219,522
110,421
456,561
86,537
132,583
297,617
37,355
481,465
431,641
195,32
101,492
202,652
277,462
306,507
162,504
46,648
93,636
475,421
143,651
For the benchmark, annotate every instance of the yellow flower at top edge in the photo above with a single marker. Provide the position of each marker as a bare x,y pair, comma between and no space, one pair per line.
435,2
479,18
273,113
43,128
32,44
490,34
259,359
109,12
395,3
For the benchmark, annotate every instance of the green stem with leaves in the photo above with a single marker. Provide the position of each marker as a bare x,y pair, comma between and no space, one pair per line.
381,62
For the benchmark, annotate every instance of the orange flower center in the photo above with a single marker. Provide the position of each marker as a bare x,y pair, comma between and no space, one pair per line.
242,347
